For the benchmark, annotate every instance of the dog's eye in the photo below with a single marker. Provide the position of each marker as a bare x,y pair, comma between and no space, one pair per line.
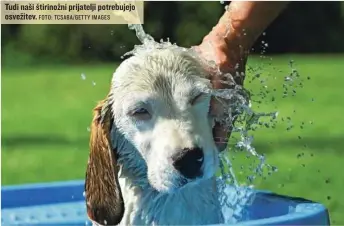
196,99
141,113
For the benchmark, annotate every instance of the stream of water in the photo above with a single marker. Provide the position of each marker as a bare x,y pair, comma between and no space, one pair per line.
234,197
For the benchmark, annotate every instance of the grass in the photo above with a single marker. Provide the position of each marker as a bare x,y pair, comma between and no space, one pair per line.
46,111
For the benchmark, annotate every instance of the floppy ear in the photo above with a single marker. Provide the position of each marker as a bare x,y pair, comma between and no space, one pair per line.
104,199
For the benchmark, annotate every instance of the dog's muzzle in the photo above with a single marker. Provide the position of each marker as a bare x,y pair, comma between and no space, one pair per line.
189,162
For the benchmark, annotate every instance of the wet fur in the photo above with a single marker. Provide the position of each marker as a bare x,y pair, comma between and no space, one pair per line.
128,179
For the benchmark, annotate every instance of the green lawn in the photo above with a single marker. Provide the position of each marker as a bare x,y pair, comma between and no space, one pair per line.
46,111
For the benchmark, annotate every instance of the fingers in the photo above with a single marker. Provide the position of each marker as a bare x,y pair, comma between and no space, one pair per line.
217,110
221,135
225,72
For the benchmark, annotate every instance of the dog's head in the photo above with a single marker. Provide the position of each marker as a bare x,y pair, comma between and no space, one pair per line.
159,103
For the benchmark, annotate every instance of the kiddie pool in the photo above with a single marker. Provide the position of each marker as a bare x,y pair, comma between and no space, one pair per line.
62,203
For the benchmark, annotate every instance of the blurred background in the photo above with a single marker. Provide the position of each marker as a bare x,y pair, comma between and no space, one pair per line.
53,75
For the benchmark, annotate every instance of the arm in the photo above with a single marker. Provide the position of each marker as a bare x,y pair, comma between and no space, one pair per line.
238,29
230,42
247,20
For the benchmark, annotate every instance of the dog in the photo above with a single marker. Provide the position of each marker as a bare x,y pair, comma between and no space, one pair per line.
152,154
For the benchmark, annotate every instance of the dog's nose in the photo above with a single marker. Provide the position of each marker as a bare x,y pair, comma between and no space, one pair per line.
189,162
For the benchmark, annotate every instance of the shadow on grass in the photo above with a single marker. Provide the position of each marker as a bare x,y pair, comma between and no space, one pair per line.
316,144
34,140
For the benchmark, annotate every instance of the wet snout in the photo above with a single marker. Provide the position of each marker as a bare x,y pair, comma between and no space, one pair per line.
188,162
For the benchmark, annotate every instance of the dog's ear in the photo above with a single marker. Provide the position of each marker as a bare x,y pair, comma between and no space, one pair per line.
104,199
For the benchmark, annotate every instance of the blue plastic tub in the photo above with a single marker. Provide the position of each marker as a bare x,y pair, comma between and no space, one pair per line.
62,203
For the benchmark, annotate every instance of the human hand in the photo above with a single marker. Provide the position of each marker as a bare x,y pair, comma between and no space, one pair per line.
226,71
228,45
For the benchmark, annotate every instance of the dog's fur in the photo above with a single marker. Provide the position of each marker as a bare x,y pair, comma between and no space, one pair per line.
130,179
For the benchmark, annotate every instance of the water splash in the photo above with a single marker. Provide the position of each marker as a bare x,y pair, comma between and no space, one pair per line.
242,118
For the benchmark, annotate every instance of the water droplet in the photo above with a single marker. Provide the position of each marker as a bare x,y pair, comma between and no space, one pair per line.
264,33
274,169
289,128
94,83
83,76
287,78
88,129
250,178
